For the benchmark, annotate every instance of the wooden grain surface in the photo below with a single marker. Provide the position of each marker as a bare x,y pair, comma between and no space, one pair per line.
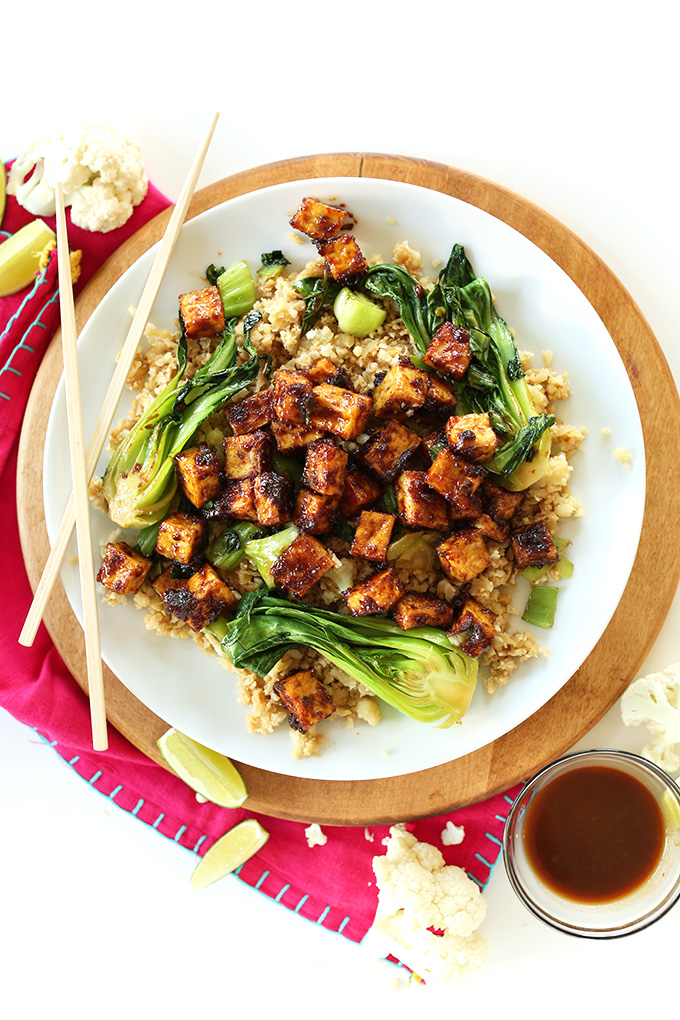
614,662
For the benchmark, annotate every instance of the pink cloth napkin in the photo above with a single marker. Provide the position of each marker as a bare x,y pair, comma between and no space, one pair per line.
331,885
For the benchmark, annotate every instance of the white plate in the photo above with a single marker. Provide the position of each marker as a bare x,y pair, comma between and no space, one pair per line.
548,312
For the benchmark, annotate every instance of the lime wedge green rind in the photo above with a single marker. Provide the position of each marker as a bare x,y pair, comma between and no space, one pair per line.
208,773
229,853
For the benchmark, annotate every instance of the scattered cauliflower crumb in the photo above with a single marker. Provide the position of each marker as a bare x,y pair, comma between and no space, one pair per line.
655,701
452,835
391,219
624,455
606,431
315,835
368,835
419,891
547,358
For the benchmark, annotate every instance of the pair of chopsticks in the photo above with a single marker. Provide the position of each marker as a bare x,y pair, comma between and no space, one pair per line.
83,461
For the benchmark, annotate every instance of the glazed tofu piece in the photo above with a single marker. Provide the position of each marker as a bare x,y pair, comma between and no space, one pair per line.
305,699
439,397
324,371
375,595
293,397
471,437
318,220
273,496
339,411
181,537
237,500
197,600
402,390
198,472
290,438
253,413
372,535
359,491
449,350
500,504
344,258
474,628
302,564
201,312
533,546
246,456
416,610
123,570
419,506
498,531
315,513
463,555
325,468
457,481
434,443
388,449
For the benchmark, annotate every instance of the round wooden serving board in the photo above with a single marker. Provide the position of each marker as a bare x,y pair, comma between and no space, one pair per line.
633,629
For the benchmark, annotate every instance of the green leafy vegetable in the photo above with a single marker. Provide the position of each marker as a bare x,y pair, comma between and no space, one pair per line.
263,551
237,289
317,292
272,263
228,548
212,273
540,609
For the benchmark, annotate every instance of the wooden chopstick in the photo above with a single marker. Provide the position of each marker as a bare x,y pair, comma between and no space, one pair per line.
80,483
116,387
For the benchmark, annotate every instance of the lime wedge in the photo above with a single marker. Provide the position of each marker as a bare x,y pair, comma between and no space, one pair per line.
3,190
229,852
208,773
20,255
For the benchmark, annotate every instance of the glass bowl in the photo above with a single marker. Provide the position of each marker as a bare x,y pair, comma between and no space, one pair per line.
617,914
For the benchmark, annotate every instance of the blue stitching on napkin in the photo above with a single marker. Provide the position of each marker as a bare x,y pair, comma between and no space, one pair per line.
323,916
302,901
178,835
95,777
138,805
114,793
283,891
260,879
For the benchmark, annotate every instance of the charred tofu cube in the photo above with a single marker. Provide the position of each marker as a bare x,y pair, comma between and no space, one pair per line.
457,481
388,449
237,500
402,390
375,595
439,397
418,504
533,546
315,513
305,699
340,411
324,371
501,504
201,312
359,491
372,535
325,468
123,570
463,555
293,397
290,438
273,495
416,610
474,629
318,220
198,472
449,350
302,564
246,456
212,596
181,537
498,531
253,413
344,259
471,436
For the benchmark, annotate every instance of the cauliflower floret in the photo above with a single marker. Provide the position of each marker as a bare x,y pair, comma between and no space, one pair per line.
452,835
315,835
655,701
418,891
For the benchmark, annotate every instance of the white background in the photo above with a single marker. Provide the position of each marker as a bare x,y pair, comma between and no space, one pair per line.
574,108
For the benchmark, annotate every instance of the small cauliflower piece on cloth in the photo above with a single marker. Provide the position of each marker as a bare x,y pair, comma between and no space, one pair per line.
428,911
654,701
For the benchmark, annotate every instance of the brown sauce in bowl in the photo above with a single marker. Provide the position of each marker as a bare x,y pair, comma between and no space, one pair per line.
594,834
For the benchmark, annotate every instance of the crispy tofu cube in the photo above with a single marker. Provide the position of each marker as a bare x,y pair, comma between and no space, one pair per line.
273,495
474,629
324,371
340,411
246,456
315,513
199,599
449,350
302,564
198,472
457,481
237,500
439,397
388,449
290,438
325,468
293,397
466,508
359,491
375,595
181,537
253,413
372,535
418,504
463,555
123,570
416,610
344,258
500,504
533,546
318,220
471,437
305,699
201,312
402,390
498,531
